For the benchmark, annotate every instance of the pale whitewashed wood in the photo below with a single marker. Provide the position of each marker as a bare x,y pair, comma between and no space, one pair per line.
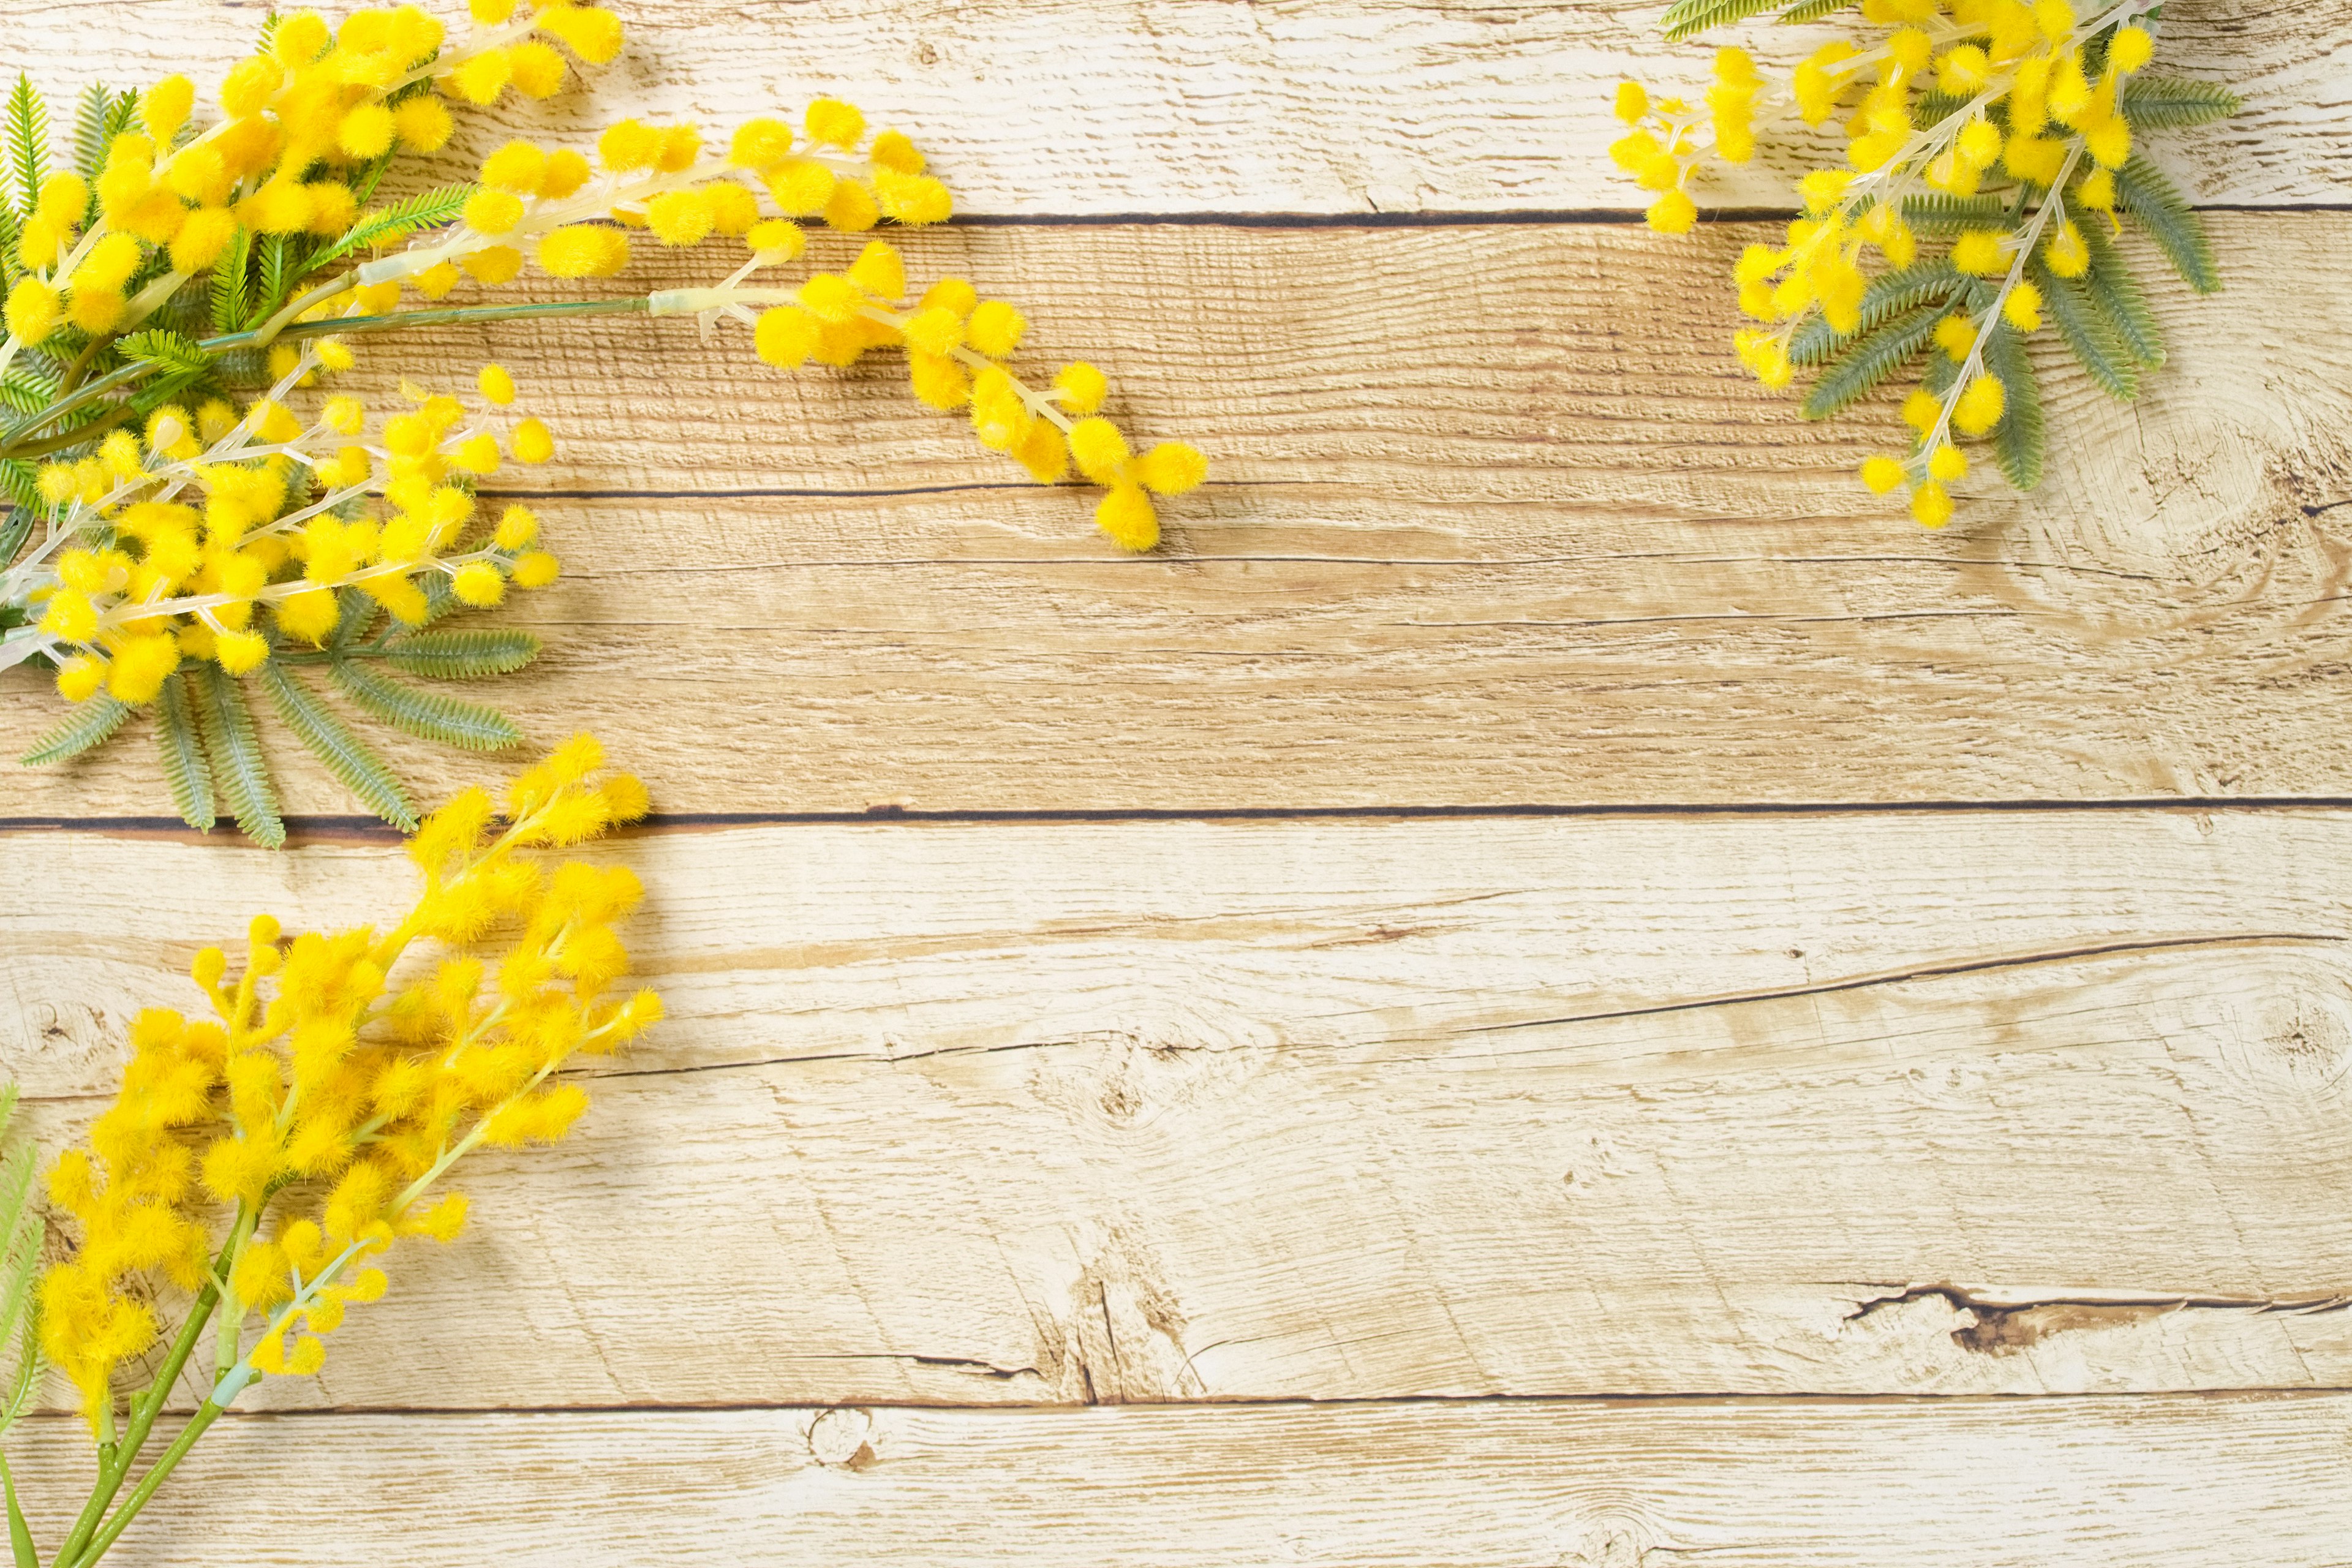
1497,520
2183,1482
1953,1104
1186,106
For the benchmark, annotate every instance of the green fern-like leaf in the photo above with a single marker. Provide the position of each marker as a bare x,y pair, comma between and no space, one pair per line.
468,726
1685,17
346,755
13,531
28,141
21,477
1812,11
466,654
2117,293
229,284
2172,102
234,750
1937,212
1890,293
21,1235
100,118
165,349
427,209
179,744
2019,441
91,723
20,393
2142,191
278,273
2086,332
1871,360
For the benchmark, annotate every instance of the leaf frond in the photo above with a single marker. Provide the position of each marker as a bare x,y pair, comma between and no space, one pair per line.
235,748
1872,358
466,654
2084,328
1939,212
358,769
181,748
1888,294
27,117
468,726
2117,293
2153,103
426,209
91,723
1685,17
2144,191
2019,440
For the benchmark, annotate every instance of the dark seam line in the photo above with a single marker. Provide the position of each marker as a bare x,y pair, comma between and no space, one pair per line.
369,828
1270,1402
1464,218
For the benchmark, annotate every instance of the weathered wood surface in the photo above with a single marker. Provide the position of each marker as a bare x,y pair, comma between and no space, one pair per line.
1497,520
1077,107
1959,1104
1187,1116
2185,1482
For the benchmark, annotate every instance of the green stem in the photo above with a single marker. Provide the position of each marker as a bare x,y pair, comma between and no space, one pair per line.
206,1414
73,438
143,1411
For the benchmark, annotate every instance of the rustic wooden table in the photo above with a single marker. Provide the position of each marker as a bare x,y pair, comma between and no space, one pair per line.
1546,983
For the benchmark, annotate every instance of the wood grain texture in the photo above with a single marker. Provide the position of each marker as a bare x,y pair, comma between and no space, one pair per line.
1988,1104
1497,520
1192,106
2051,1484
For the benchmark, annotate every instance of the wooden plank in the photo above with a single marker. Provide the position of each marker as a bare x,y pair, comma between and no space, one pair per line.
1521,532
1957,1104
2054,1483
1364,106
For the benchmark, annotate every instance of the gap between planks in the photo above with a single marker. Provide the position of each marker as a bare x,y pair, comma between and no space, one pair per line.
302,830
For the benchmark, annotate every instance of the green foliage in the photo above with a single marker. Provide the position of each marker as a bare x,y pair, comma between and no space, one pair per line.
2086,331
2169,102
28,121
466,654
235,751
346,756
21,477
100,118
2117,293
181,750
1921,283
1939,213
88,725
166,350
279,271
1685,18
1872,360
228,283
2143,190
468,726
21,1234
2019,441
425,210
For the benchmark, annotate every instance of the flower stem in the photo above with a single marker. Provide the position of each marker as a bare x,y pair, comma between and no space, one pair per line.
206,1414
143,1411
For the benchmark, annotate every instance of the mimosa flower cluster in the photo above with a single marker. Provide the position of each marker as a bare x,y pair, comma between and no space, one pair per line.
262,1157
194,512
2005,130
